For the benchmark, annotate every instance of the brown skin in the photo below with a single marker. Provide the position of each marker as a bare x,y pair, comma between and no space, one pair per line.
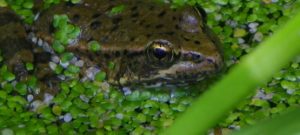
17,51
14,46
125,37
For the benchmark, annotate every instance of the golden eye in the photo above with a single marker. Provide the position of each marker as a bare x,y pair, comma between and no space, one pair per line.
160,52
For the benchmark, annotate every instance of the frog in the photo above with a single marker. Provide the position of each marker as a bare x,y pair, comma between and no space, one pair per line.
149,43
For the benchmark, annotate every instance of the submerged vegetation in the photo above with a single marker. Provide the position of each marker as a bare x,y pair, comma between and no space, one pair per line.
94,106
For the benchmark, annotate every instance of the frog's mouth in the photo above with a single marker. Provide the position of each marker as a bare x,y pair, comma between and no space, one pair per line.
179,74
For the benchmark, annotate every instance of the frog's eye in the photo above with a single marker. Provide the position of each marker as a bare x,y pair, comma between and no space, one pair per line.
160,52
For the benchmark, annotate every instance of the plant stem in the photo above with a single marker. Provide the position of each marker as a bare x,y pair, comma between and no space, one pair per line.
255,69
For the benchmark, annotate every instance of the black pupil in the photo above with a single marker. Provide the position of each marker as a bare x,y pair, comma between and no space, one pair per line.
160,53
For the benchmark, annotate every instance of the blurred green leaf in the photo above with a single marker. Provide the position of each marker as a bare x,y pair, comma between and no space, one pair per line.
287,123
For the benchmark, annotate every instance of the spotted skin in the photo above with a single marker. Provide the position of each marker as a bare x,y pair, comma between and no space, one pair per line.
17,50
124,38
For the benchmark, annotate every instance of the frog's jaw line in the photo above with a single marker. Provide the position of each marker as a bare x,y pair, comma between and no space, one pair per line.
182,68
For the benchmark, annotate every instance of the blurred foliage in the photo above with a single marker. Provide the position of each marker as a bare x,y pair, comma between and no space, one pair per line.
289,118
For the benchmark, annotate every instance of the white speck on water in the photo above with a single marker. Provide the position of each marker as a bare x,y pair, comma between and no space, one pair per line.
91,72
36,104
253,30
55,59
172,94
258,37
65,64
21,126
264,96
34,40
46,47
37,90
52,65
269,96
14,83
29,97
244,46
73,42
40,42
37,16
73,60
218,17
235,127
79,63
154,98
61,77
119,116
232,23
48,98
7,131
253,27
61,117
67,117
241,40
84,98
105,86
126,91
290,92
84,78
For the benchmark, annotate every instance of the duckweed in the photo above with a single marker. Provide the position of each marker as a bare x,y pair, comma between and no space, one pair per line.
58,47
66,57
8,76
100,76
23,8
3,3
94,46
29,66
85,107
117,9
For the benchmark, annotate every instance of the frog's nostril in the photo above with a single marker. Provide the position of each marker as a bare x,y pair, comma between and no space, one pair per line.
193,56
196,56
210,60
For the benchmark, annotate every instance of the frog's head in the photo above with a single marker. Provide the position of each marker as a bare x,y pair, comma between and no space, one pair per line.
181,52
166,63
149,43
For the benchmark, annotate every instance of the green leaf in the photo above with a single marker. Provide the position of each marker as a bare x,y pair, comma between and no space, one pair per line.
8,76
117,10
284,124
100,76
94,46
241,81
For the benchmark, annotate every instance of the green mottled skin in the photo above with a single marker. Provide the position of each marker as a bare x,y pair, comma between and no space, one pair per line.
125,36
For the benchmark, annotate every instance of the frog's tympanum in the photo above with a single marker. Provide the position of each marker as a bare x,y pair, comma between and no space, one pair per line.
148,42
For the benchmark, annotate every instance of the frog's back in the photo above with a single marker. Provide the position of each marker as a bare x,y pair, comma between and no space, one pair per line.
140,22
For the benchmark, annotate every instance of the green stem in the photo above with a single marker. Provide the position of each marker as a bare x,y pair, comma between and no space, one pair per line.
256,68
